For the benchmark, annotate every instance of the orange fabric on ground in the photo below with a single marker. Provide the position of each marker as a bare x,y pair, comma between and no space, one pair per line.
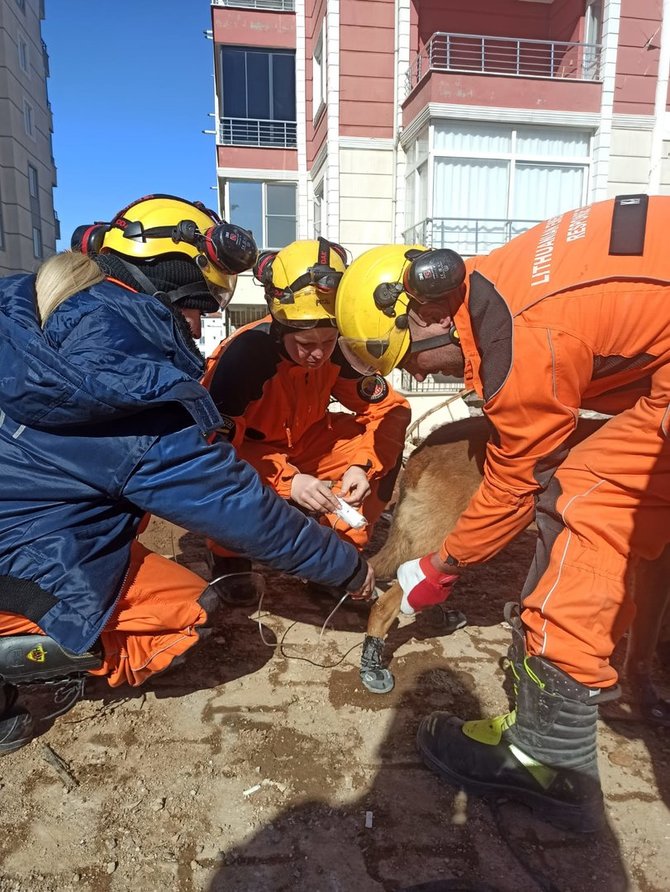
154,622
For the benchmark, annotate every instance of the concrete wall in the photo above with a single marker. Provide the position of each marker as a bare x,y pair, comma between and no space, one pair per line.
366,195
20,213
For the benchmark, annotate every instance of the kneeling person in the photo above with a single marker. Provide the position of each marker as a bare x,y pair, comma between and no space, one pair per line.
273,382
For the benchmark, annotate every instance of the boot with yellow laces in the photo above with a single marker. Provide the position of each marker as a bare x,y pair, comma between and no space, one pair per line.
543,753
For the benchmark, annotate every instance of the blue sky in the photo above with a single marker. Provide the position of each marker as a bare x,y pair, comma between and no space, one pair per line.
131,87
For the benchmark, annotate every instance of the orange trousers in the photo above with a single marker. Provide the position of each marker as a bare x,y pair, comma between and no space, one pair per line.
613,507
326,451
155,620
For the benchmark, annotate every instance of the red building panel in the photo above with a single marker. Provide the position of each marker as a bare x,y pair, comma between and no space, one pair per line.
316,130
367,42
370,14
319,133
503,92
261,158
637,57
501,18
250,27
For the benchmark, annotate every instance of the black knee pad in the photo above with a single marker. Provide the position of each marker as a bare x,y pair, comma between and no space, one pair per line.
31,659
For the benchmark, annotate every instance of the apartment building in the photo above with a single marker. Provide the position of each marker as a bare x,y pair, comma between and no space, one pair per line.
439,122
28,223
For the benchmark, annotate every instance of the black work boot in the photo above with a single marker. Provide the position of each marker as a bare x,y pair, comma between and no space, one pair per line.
233,580
542,754
16,723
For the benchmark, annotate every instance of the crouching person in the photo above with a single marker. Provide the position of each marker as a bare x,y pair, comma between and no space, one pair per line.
102,419
273,382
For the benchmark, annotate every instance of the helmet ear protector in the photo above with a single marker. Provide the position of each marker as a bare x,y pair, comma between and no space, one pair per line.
88,239
430,276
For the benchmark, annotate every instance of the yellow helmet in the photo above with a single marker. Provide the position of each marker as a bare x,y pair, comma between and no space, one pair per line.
374,296
158,226
301,281
371,309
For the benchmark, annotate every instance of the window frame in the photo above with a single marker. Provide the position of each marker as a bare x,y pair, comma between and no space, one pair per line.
264,51
262,242
319,74
319,201
23,53
36,193
29,119
38,244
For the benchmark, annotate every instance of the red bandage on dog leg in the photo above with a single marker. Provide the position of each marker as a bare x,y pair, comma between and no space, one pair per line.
422,585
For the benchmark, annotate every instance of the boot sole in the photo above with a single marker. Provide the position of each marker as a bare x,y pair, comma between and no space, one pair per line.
24,726
559,814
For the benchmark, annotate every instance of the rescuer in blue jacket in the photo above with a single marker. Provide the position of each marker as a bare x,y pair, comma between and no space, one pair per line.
103,419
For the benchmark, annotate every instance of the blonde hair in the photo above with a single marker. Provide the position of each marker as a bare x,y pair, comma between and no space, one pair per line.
60,277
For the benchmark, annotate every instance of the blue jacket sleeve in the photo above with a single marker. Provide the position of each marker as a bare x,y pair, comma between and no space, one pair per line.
206,489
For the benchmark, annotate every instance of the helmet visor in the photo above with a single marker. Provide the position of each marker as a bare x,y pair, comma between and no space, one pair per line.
361,354
222,293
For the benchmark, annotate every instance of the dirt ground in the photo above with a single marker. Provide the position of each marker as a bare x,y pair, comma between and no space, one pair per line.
257,768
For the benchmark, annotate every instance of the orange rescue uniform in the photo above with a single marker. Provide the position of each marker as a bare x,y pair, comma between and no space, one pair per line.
276,415
160,615
573,314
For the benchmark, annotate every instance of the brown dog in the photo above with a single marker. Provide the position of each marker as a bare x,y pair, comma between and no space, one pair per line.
435,487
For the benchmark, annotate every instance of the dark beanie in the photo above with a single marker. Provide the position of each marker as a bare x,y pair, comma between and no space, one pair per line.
166,273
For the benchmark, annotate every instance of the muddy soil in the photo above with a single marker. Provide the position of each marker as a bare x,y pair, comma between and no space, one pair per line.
263,765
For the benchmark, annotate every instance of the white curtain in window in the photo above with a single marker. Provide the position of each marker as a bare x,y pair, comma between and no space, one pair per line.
472,195
542,191
463,188
458,136
547,141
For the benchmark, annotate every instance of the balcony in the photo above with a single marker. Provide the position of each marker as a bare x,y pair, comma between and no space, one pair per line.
468,236
436,384
257,132
274,5
511,56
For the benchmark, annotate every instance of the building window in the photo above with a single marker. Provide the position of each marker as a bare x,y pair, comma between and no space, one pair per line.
37,242
258,89
33,183
29,119
319,74
268,210
318,210
491,182
22,48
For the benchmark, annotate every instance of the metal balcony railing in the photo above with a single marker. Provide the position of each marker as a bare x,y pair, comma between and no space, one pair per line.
431,384
466,235
514,56
257,132
275,5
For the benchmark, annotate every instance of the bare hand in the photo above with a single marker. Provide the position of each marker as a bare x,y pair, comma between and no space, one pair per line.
366,591
355,486
313,494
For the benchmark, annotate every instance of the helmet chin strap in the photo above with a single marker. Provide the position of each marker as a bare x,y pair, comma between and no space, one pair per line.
449,338
150,288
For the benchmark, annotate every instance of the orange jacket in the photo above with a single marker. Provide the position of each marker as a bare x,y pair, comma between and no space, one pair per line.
264,396
573,314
